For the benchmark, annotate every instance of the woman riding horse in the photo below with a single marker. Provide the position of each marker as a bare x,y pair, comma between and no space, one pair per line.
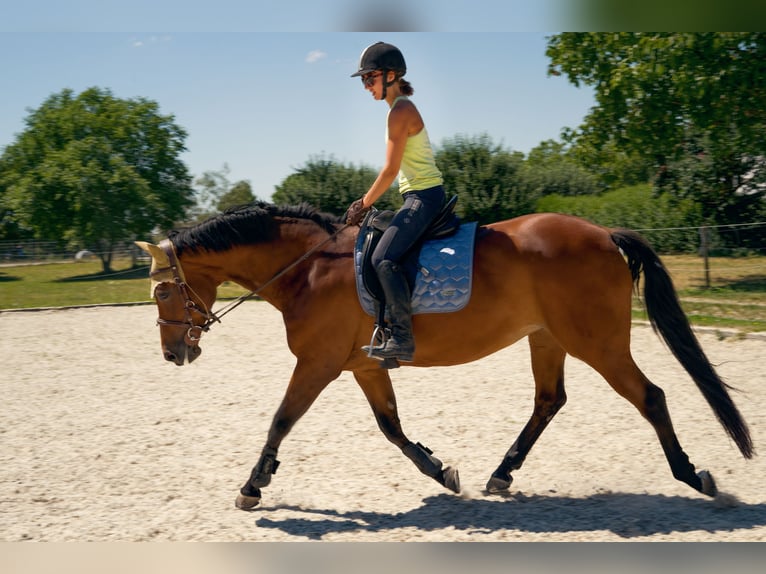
409,154
563,283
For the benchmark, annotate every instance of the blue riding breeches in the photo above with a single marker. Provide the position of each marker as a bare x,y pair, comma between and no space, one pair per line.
409,224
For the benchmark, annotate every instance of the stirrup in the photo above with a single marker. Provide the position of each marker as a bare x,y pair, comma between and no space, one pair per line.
378,353
382,335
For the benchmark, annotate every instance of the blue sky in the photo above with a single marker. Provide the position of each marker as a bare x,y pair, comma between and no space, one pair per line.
291,15
265,103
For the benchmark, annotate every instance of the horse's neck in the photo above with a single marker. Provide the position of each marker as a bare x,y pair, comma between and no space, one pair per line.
266,267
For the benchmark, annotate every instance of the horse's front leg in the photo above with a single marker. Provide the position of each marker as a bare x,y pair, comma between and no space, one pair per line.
307,381
376,385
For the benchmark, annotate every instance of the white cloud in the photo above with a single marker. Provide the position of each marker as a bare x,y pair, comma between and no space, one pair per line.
315,56
151,40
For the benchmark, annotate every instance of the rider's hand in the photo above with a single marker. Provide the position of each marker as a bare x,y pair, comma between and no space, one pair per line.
356,212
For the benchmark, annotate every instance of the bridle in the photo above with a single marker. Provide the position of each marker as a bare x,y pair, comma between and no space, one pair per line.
193,331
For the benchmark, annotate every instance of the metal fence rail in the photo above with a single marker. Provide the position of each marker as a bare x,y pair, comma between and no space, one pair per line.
36,251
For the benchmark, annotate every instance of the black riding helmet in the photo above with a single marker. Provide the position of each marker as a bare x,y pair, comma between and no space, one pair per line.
384,57
381,56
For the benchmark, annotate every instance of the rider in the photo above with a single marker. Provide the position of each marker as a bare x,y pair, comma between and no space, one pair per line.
408,154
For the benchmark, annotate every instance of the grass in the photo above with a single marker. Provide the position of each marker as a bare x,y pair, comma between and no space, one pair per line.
736,298
76,283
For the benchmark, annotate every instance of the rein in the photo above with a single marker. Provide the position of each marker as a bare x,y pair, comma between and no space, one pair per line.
215,316
242,298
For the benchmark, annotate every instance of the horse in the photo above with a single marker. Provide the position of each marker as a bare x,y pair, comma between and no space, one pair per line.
564,283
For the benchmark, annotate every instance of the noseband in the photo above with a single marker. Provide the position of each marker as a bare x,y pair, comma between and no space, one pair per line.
193,332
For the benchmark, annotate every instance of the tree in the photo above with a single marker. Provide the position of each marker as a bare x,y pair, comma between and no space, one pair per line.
209,188
241,193
95,170
331,186
610,166
669,224
550,169
485,177
214,193
659,94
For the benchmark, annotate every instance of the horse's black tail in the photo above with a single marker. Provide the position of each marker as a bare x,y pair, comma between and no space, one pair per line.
670,322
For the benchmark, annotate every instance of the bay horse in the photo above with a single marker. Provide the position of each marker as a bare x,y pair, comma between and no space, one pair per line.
560,281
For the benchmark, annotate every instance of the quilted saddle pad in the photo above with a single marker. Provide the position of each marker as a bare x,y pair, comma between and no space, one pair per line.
444,274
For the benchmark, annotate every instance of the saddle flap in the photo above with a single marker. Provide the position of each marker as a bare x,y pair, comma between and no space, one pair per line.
379,220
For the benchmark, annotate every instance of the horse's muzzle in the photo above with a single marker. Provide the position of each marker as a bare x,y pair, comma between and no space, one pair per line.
182,354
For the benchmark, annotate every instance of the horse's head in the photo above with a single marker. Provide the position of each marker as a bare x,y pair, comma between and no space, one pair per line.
184,312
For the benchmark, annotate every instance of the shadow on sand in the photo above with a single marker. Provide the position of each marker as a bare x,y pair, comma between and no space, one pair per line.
140,272
626,515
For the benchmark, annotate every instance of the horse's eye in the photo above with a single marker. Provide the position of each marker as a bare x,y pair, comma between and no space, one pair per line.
162,294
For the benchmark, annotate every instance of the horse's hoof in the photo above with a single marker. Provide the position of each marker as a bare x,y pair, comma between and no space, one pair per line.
708,484
247,502
496,484
451,479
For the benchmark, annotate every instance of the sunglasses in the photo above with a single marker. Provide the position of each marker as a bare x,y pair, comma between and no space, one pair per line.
369,79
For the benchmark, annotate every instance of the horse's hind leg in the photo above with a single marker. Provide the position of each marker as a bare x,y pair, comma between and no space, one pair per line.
627,379
376,385
548,370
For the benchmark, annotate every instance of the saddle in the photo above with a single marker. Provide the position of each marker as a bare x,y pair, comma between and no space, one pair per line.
438,268
445,224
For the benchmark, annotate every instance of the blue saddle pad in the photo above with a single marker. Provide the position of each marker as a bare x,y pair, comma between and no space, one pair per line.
443,280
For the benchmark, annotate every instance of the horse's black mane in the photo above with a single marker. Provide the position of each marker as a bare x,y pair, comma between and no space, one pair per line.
246,225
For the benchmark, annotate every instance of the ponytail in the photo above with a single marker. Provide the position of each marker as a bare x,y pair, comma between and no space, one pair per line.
405,87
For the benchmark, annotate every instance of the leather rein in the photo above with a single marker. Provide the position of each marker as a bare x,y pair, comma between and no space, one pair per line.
194,331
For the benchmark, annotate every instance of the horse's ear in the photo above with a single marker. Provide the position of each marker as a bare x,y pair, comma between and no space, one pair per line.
160,261
145,246
155,251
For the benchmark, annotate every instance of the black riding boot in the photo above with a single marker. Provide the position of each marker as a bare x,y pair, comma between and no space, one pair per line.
400,345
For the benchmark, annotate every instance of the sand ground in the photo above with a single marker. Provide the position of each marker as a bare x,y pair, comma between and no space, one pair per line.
102,440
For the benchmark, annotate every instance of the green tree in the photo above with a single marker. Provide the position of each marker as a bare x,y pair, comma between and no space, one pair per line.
486,178
241,193
214,193
209,188
95,171
610,166
550,168
331,186
669,224
659,93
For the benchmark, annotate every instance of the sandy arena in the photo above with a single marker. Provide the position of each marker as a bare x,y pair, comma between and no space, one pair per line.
102,440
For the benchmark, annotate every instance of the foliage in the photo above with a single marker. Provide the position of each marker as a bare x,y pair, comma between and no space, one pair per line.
733,199
609,166
95,170
486,177
331,186
214,193
550,169
208,190
669,224
491,182
241,193
667,97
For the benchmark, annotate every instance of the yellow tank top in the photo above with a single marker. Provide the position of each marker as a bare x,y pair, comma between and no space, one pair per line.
418,170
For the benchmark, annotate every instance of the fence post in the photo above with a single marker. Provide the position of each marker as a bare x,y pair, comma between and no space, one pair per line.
704,251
